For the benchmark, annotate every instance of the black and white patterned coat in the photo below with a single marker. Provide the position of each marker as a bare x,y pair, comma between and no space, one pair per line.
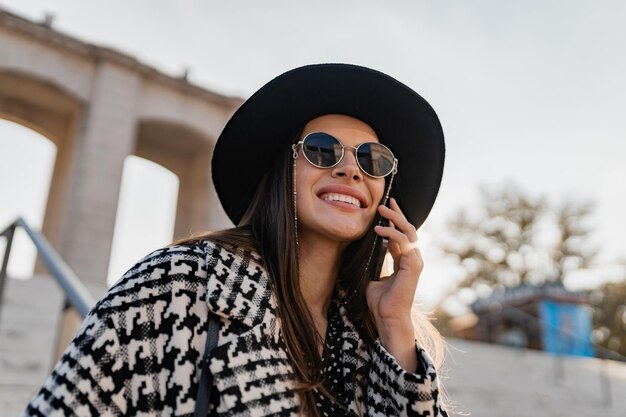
138,353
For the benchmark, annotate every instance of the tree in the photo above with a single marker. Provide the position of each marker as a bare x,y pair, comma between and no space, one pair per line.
609,319
572,250
514,239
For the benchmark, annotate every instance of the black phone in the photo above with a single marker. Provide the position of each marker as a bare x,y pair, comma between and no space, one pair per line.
380,250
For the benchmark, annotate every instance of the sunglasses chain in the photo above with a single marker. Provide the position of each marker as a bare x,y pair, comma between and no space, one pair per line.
294,147
345,301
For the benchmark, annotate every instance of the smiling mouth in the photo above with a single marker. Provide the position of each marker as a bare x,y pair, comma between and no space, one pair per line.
348,199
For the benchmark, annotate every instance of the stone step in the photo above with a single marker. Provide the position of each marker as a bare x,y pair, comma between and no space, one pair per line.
490,380
13,399
29,321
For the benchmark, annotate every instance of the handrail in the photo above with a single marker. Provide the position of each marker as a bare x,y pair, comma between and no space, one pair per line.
75,291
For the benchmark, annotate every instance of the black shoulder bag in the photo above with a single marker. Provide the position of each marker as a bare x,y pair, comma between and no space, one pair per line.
203,399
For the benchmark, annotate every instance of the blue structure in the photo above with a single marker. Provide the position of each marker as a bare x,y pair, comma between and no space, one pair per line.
548,317
566,328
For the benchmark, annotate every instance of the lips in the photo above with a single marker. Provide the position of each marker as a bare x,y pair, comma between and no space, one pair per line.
343,194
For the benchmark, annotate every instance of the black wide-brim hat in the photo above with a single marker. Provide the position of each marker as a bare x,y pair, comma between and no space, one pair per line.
265,126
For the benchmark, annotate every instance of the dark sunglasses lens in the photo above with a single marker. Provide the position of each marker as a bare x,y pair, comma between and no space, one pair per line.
322,149
375,159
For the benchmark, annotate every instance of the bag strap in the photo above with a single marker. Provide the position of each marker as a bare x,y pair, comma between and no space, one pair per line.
203,399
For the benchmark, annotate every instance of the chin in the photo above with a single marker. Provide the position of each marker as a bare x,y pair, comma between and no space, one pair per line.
337,227
350,234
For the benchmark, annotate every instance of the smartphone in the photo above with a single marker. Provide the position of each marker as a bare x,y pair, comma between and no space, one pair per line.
380,250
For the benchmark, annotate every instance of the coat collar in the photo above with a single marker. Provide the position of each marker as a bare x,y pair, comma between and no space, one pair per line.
238,286
239,290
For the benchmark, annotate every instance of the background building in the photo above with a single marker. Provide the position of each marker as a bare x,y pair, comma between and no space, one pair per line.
548,318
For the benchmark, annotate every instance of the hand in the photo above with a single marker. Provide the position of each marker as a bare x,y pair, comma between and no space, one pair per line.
391,299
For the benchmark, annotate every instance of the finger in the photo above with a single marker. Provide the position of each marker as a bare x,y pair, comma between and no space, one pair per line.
394,214
398,237
406,242
396,255
404,224
406,256
394,249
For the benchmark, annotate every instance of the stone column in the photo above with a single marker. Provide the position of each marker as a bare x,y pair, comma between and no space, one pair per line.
105,138
192,209
198,208
217,217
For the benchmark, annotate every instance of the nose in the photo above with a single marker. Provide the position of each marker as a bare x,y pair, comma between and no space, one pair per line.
348,166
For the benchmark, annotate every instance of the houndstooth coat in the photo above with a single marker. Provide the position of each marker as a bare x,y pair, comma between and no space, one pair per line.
140,349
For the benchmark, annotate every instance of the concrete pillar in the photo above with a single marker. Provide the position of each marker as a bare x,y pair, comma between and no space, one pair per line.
192,211
198,207
106,137
217,216
57,195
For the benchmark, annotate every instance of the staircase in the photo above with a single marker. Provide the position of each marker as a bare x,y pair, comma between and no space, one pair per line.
29,320
497,381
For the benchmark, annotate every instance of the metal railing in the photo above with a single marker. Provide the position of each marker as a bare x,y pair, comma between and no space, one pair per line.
75,291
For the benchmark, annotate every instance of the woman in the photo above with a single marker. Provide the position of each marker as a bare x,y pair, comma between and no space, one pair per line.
304,168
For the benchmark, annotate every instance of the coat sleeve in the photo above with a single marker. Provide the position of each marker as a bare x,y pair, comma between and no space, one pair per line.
393,391
121,361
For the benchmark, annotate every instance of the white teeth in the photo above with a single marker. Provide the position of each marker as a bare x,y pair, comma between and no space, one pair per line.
341,197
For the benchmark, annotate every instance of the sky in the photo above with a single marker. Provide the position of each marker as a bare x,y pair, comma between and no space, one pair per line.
531,94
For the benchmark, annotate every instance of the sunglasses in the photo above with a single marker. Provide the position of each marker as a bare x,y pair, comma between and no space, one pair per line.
325,151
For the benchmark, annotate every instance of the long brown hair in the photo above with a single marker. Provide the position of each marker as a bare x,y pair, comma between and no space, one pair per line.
268,228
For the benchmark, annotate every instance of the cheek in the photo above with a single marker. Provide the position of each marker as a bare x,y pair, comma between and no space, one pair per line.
378,191
306,176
